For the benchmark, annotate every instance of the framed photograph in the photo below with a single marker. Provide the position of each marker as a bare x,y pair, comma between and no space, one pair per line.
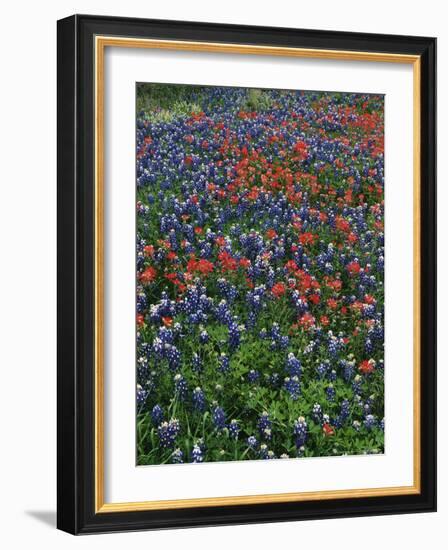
246,274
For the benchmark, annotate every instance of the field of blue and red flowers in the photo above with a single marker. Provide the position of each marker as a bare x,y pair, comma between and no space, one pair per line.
260,273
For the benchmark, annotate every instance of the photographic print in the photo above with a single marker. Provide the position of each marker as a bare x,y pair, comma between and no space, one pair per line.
259,274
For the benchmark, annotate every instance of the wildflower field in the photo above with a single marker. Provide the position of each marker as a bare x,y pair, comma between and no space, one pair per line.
260,274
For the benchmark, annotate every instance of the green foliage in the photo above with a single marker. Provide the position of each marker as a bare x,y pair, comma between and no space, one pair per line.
257,100
165,102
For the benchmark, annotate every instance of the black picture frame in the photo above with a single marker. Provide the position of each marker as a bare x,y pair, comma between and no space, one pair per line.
76,254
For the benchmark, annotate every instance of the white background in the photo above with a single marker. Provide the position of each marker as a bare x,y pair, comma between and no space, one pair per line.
123,481
28,273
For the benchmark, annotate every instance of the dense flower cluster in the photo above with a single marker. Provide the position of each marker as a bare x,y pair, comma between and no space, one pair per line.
260,271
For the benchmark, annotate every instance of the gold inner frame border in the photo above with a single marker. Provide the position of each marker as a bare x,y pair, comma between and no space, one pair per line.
100,43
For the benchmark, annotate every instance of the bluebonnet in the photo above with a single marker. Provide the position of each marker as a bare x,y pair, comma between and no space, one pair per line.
357,384
293,365
292,386
265,453
253,376
300,432
252,442
196,363
180,387
167,432
198,400
370,421
234,336
345,410
348,369
234,429
223,313
157,414
322,369
265,425
142,395
317,413
177,457
203,336
224,363
219,418
331,393
197,453
173,356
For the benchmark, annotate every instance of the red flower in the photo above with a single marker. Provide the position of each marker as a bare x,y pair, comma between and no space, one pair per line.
314,298
307,320
140,320
336,285
307,238
324,320
353,268
191,265
253,194
198,230
167,321
200,266
171,277
291,265
328,430
271,233
148,250
204,267
244,262
227,262
342,224
164,244
357,306
367,366
301,149
148,275
278,289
